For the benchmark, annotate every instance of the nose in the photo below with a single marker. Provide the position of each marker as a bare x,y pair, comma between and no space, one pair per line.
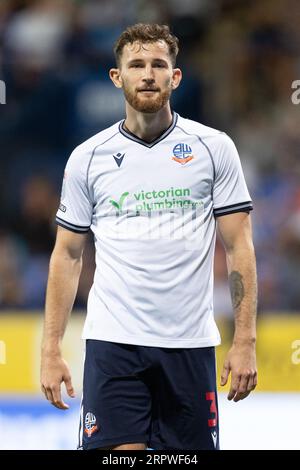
149,74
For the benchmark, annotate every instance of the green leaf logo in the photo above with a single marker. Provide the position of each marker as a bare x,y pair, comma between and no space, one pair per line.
118,205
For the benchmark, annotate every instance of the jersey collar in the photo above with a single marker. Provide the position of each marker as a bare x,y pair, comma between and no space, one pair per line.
131,136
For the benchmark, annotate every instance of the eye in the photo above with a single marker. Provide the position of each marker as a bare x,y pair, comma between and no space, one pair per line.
160,65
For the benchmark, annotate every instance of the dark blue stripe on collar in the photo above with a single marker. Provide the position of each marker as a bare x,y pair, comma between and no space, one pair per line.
136,139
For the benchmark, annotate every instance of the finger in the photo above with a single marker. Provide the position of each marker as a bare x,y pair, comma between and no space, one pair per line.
240,396
44,391
57,400
243,385
247,384
235,381
242,390
255,379
225,374
251,384
69,387
49,394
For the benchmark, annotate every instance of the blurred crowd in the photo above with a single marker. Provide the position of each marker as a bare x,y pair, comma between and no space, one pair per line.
239,60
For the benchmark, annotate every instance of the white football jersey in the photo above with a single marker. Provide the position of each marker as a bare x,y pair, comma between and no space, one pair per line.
152,208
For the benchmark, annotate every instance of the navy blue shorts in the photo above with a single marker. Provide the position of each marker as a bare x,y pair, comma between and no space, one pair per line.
163,397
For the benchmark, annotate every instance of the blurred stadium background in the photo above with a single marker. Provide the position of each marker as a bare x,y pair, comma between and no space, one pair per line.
239,61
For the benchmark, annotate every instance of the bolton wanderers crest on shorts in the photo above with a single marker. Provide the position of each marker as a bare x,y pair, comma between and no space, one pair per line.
90,425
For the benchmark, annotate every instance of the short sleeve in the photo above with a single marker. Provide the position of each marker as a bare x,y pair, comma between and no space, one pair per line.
76,208
230,192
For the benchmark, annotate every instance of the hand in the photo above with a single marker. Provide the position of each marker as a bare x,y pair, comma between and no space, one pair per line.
241,362
54,371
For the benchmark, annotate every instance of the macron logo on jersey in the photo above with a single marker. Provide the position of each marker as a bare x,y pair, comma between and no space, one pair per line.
119,158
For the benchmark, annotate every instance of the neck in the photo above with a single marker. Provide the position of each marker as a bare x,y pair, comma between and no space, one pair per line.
148,126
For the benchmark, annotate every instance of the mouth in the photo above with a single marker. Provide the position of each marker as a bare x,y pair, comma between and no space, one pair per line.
148,90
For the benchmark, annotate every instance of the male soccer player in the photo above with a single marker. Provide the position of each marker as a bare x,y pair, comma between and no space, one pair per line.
152,188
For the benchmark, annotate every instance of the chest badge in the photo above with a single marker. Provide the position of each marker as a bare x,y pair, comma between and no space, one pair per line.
182,153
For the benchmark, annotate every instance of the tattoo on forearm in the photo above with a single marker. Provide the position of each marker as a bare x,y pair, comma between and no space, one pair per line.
237,289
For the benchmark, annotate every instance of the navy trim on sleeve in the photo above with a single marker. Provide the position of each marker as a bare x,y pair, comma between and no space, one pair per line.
240,207
72,227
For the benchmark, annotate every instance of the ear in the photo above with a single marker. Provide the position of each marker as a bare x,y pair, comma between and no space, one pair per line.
176,79
115,76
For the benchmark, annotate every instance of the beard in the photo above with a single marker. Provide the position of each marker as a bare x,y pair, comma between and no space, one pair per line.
147,104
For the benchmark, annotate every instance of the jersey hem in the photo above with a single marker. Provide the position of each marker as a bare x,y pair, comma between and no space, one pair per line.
158,342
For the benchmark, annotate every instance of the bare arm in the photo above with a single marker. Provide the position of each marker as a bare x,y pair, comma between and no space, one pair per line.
64,272
236,234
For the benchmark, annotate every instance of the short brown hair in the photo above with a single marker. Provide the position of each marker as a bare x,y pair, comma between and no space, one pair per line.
147,33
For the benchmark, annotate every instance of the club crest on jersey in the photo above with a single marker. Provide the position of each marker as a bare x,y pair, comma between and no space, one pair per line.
90,425
119,158
182,153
